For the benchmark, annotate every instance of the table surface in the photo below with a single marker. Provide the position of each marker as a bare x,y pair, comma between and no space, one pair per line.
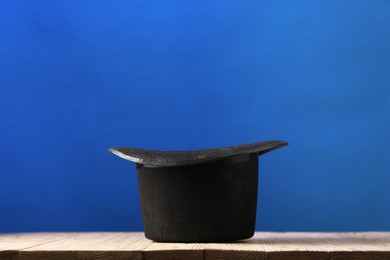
264,245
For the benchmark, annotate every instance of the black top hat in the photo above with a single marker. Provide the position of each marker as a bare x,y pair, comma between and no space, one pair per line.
201,195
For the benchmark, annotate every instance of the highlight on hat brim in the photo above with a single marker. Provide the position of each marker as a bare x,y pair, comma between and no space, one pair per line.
155,158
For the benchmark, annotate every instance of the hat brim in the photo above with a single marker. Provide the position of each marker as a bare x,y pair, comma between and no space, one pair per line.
155,158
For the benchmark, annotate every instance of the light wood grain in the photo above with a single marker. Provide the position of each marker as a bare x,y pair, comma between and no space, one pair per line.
191,251
264,245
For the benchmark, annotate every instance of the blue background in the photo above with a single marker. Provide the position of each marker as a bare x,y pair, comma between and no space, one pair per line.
78,77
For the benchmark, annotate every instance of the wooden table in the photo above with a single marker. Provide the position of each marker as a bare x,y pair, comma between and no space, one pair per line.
370,245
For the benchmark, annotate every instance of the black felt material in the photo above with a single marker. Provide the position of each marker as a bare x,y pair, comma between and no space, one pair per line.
198,196
214,202
180,158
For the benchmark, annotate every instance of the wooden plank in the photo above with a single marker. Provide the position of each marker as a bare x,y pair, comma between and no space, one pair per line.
73,246
8,255
92,246
305,246
103,241
190,251
327,242
264,245
24,240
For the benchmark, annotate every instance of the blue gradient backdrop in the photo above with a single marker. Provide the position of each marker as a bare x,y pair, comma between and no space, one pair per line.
78,77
